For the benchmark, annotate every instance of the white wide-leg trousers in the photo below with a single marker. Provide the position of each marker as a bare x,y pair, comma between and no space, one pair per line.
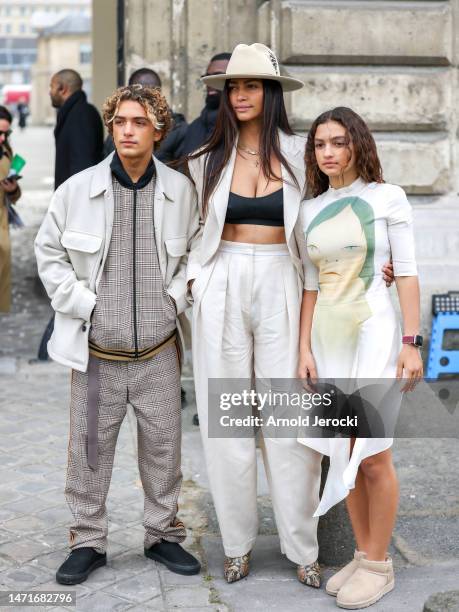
246,322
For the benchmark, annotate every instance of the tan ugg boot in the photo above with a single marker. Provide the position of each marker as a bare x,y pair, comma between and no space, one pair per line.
370,581
337,580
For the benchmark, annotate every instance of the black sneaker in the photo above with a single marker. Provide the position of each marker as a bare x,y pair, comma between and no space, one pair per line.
174,557
79,564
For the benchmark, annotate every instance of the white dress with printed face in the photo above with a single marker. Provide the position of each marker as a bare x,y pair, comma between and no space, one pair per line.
350,233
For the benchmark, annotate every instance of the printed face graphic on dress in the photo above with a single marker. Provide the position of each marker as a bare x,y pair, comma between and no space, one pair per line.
340,241
341,255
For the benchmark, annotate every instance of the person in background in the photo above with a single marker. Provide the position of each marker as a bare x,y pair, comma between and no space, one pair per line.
23,112
200,130
79,132
79,138
9,189
149,78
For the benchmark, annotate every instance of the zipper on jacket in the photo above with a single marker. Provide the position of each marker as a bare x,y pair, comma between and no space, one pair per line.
134,291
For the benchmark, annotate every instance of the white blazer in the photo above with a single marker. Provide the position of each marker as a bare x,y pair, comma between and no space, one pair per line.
292,147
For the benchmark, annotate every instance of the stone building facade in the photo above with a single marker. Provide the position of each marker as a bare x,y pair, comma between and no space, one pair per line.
20,23
67,44
395,62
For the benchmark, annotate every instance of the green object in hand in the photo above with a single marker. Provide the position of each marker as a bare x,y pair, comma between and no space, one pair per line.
17,165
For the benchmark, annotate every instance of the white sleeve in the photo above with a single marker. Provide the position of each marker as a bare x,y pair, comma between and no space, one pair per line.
196,170
68,295
311,272
400,234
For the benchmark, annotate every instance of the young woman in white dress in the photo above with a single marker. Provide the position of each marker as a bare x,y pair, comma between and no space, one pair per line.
349,329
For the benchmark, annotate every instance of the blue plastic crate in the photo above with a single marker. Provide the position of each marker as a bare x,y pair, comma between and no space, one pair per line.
440,360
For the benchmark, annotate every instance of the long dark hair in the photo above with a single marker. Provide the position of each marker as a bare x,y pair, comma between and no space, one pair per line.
366,156
219,146
5,114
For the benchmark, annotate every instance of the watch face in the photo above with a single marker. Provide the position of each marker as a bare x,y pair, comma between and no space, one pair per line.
418,340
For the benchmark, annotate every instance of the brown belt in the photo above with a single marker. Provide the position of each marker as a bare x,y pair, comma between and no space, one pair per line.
122,355
95,355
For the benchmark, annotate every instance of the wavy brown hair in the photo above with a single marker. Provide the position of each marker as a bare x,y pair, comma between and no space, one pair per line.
219,146
151,100
366,156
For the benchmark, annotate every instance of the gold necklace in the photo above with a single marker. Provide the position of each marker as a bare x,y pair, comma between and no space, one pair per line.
247,150
250,152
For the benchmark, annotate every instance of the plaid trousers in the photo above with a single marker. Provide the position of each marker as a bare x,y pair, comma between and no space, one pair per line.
152,387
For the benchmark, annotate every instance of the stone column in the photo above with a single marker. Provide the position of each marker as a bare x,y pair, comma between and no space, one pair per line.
104,41
177,38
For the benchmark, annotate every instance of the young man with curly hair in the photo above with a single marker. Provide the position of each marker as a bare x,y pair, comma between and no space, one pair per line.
112,253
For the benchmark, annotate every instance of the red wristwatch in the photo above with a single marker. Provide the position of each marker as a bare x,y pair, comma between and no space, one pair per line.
414,340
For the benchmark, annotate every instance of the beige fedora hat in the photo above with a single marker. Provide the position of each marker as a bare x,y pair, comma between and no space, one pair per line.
253,61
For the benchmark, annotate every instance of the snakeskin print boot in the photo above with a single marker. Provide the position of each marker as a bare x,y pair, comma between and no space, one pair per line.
309,574
236,568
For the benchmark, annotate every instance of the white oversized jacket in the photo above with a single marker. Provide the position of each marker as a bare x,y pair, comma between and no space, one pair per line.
73,241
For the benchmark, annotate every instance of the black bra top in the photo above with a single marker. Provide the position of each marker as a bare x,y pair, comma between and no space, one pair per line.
264,210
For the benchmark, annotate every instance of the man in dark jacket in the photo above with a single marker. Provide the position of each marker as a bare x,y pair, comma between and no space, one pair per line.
202,127
79,132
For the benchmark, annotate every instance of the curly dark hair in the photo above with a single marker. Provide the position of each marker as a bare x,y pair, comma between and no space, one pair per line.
152,101
366,156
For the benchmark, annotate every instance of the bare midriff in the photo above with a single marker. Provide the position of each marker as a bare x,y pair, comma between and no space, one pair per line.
253,234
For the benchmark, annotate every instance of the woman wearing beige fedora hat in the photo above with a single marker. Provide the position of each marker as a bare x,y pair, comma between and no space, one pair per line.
247,292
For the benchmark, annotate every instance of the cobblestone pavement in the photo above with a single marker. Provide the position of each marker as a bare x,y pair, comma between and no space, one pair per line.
34,516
